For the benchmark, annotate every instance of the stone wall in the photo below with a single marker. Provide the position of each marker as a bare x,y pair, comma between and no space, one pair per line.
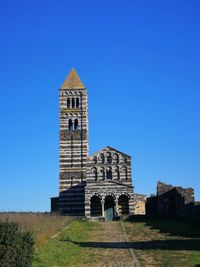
173,202
54,204
139,204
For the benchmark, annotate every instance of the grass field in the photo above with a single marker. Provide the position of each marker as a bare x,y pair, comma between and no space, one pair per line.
86,244
61,241
60,251
42,225
164,242
155,243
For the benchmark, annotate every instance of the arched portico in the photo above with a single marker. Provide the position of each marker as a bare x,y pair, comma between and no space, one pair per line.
123,205
95,206
109,207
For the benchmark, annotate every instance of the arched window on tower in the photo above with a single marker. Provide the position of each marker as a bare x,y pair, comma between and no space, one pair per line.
68,102
73,103
70,125
76,124
77,102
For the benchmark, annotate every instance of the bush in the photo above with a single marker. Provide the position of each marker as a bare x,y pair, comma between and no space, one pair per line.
16,248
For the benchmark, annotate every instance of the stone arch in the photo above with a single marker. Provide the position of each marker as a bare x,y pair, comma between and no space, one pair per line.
68,102
94,173
116,173
95,206
123,159
109,157
109,174
77,102
123,204
109,207
102,173
124,172
73,103
115,158
76,126
70,125
101,158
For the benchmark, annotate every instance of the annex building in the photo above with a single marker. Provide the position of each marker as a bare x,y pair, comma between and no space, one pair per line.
98,185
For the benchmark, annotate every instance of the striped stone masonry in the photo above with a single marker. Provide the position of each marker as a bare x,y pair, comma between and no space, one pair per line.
73,148
108,174
99,185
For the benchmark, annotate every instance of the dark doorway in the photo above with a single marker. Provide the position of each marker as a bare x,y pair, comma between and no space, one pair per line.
109,208
96,208
123,205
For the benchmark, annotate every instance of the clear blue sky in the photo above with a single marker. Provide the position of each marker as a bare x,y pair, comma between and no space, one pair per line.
140,62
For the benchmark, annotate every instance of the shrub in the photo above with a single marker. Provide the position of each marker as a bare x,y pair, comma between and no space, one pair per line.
16,248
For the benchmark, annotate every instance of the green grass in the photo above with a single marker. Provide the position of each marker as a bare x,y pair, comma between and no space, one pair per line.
165,243
61,251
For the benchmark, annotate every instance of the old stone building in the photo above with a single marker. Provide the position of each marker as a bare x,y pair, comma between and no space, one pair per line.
99,185
173,202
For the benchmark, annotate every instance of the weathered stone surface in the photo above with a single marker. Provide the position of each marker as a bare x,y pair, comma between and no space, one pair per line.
139,204
173,202
104,176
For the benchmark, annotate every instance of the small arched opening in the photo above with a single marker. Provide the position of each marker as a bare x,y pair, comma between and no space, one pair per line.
109,174
124,173
117,173
123,204
70,125
102,173
109,157
94,173
77,102
73,103
68,102
76,124
101,158
109,208
116,158
95,206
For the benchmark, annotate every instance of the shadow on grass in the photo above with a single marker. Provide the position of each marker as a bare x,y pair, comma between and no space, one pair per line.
170,226
184,244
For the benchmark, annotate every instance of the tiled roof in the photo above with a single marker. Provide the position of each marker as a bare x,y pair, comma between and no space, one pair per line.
73,81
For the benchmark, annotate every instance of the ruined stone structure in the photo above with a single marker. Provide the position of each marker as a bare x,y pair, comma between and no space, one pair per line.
99,185
173,202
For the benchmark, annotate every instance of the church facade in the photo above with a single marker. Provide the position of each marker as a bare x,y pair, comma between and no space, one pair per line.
95,186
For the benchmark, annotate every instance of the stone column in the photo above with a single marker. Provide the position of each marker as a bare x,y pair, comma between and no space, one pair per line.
117,207
102,206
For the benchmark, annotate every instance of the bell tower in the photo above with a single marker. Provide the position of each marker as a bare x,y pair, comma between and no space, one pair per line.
73,144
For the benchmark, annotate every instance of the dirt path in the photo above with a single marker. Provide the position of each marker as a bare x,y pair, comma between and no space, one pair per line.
110,241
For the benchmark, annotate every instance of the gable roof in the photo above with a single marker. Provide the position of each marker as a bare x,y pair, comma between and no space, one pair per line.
105,183
72,81
110,148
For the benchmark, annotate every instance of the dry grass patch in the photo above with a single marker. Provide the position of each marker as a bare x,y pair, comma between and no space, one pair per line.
42,225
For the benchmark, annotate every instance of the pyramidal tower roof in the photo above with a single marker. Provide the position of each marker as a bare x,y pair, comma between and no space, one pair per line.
72,81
